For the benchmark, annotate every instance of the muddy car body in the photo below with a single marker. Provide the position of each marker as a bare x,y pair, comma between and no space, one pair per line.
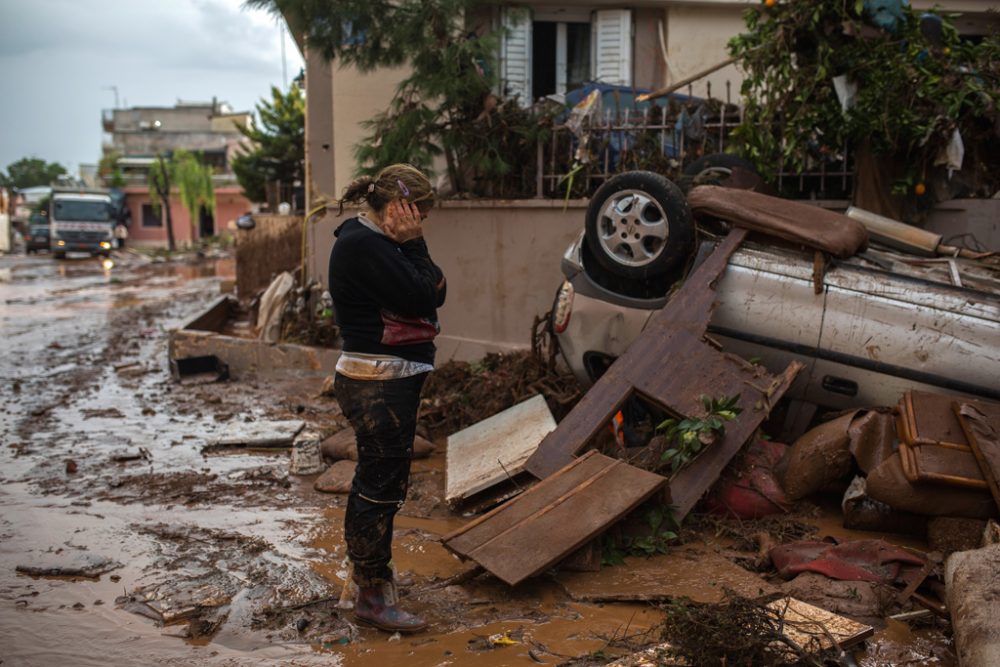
874,326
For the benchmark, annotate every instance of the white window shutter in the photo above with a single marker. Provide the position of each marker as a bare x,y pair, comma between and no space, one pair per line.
515,54
611,51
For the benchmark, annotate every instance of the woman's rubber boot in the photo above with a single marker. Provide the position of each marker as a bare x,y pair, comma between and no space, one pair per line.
379,606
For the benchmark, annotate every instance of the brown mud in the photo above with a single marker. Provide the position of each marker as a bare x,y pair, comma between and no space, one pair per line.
225,559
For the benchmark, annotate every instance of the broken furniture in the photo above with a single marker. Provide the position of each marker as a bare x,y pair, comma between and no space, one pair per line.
933,447
534,531
673,366
495,449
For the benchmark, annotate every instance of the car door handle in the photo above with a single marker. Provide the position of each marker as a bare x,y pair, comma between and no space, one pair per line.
839,385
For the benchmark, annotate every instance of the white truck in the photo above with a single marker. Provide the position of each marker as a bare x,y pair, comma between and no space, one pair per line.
81,221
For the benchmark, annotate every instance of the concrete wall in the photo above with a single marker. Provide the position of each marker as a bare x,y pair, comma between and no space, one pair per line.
501,260
357,97
696,39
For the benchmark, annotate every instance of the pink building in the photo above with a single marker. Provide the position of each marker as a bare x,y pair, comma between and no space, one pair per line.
150,229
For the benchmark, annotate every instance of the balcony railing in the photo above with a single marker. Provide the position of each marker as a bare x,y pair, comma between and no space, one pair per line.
665,138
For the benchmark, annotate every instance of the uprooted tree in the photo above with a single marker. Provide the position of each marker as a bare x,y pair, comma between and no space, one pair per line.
911,91
446,106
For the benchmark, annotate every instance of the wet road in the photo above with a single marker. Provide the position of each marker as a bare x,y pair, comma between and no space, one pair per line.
83,376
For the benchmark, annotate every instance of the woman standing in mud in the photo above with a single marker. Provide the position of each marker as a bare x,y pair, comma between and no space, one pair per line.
386,291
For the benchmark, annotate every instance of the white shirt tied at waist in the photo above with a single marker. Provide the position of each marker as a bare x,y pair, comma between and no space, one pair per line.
361,366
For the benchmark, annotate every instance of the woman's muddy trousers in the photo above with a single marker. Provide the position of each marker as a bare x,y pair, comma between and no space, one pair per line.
383,414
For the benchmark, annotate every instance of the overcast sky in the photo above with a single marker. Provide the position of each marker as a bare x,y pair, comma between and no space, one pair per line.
59,58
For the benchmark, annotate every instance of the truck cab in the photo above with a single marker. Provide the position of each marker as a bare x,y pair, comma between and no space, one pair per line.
81,221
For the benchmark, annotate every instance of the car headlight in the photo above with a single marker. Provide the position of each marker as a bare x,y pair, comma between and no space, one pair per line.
562,308
105,245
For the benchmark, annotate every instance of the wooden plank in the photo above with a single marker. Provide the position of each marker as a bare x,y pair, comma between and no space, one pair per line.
688,485
983,434
495,449
689,309
484,528
544,525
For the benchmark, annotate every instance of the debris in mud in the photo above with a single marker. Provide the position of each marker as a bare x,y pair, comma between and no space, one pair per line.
343,445
741,631
176,601
337,478
974,601
68,564
495,450
459,394
126,455
554,518
104,413
258,434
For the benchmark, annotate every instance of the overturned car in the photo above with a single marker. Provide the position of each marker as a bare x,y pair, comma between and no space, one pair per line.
868,322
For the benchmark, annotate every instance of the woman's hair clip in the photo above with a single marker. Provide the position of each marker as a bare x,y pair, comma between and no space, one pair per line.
371,187
402,187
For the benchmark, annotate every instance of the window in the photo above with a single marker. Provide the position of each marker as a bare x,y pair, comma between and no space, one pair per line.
150,218
555,50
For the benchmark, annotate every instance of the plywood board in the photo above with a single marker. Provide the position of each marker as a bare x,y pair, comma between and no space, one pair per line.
691,571
259,434
495,449
554,518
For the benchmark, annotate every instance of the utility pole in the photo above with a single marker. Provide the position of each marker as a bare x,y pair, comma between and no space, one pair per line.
115,90
284,67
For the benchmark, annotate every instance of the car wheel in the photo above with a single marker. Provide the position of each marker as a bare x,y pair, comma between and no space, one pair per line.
723,169
59,255
639,226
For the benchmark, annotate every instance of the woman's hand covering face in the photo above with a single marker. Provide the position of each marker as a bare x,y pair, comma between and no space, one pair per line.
401,221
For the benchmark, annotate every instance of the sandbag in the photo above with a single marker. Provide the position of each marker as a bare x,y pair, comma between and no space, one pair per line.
871,439
807,224
337,478
344,446
820,457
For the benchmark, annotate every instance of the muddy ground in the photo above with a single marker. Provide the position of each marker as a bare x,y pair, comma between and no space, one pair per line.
225,559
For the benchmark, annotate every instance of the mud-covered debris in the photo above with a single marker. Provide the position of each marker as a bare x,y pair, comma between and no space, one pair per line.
68,564
343,445
126,455
337,478
741,631
459,394
259,434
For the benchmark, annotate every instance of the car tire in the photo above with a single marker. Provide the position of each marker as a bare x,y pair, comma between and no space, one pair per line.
722,169
59,255
639,226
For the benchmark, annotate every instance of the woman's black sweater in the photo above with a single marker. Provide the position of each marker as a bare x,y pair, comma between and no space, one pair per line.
385,294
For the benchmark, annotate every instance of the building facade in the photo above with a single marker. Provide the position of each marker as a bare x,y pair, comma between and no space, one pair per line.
137,136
